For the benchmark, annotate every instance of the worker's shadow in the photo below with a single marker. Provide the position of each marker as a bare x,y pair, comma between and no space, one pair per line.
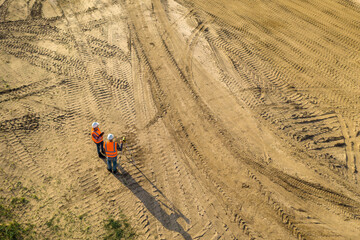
154,206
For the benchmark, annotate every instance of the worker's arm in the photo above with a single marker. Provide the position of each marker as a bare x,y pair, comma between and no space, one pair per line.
119,148
97,137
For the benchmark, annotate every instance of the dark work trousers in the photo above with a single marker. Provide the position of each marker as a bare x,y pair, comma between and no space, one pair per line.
113,161
100,148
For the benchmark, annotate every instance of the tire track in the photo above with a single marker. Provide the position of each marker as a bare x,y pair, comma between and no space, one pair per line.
173,61
191,43
350,144
277,122
336,200
297,97
146,110
146,204
164,169
125,101
39,28
190,145
84,104
290,221
263,59
29,90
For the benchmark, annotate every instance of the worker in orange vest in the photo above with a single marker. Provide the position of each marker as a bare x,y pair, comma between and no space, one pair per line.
111,149
97,137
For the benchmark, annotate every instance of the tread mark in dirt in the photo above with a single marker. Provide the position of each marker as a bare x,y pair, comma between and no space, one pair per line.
24,92
348,206
118,83
303,138
161,102
169,221
26,122
300,136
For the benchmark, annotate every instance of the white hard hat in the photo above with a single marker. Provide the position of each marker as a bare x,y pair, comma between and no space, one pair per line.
95,124
110,136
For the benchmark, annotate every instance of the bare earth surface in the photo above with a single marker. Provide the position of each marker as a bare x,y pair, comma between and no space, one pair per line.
242,116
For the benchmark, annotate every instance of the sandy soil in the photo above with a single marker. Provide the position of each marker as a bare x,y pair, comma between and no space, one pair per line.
242,117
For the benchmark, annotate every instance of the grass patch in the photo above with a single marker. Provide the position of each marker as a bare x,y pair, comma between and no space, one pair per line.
5,213
35,197
10,229
88,229
14,231
119,229
51,225
19,201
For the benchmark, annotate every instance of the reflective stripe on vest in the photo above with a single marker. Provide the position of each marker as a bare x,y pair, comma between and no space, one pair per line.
97,134
110,149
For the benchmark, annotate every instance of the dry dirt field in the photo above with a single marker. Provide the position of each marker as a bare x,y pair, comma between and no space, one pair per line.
242,117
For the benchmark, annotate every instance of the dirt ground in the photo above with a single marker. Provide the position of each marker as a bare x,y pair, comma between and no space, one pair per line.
241,116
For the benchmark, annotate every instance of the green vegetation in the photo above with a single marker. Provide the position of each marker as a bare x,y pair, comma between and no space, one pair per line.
5,213
51,224
35,197
14,231
119,229
10,229
19,201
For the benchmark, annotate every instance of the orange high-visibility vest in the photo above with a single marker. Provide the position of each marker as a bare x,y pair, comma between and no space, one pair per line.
97,134
110,149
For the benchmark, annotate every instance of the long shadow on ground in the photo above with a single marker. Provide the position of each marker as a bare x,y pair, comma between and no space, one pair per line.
154,206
